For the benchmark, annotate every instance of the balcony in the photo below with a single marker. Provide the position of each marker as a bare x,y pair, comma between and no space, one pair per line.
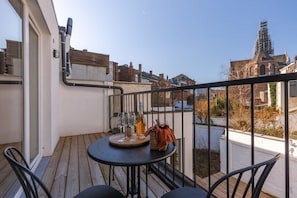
209,145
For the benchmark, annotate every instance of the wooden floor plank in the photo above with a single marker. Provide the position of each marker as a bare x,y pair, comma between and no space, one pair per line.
95,172
50,172
85,180
59,184
72,182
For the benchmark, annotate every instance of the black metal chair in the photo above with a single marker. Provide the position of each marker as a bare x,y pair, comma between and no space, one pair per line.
30,182
263,169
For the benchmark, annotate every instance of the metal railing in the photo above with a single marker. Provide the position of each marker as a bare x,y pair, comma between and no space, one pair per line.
238,104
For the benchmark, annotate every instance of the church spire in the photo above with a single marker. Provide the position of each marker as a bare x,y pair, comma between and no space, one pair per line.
263,42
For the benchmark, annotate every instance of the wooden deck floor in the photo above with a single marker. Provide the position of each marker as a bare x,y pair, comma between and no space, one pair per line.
70,170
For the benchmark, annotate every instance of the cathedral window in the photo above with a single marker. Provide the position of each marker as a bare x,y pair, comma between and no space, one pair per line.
262,70
251,71
272,69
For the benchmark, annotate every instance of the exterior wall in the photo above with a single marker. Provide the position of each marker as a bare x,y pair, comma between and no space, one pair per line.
82,110
129,87
110,76
86,72
265,148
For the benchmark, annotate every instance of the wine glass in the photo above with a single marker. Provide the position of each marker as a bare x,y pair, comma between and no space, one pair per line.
119,122
122,124
131,123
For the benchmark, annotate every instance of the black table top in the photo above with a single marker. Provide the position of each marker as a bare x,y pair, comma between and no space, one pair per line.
102,151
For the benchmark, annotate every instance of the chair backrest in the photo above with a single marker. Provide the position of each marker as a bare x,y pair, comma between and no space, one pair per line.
257,173
29,181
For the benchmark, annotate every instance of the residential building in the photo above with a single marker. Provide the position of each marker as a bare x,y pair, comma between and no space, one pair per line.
182,80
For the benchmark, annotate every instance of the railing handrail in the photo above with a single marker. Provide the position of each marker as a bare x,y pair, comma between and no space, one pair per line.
247,81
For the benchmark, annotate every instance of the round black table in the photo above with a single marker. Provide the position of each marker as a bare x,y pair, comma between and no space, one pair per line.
102,151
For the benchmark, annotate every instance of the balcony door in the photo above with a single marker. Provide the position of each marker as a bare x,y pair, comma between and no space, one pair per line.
34,92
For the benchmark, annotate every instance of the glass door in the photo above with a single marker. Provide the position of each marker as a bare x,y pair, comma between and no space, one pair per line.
11,88
34,93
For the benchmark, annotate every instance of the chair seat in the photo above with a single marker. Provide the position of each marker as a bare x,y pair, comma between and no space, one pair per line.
100,191
186,192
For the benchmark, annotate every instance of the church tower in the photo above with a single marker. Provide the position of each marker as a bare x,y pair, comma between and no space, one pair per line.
263,42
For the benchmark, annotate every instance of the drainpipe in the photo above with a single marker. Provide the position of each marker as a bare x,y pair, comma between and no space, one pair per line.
66,64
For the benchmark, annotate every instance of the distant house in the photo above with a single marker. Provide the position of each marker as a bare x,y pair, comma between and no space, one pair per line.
182,80
292,88
127,73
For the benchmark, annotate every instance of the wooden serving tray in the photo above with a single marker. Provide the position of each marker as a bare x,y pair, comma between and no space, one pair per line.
115,140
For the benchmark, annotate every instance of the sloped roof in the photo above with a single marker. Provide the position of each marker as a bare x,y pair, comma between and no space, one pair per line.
148,76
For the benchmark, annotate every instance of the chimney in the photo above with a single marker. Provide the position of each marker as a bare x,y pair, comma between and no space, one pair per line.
139,73
115,72
161,76
151,73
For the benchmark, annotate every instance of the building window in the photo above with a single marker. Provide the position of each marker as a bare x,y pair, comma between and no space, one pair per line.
262,70
293,88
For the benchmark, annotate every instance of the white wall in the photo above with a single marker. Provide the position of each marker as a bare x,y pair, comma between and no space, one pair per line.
188,133
265,148
201,139
82,110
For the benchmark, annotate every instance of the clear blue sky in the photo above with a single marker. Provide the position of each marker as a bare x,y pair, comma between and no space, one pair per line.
197,38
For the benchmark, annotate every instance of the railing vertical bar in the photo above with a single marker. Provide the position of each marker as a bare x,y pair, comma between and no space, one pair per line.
194,136
158,106
208,133
183,138
287,162
164,105
135,103
252,132
110,112
172,120
227,137
165,121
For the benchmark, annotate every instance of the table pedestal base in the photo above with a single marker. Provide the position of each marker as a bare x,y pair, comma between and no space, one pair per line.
133,187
